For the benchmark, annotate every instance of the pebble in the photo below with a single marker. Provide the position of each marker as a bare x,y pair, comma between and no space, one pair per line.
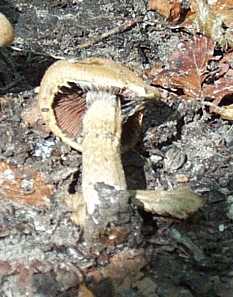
174,159
155,159
221,227
44,149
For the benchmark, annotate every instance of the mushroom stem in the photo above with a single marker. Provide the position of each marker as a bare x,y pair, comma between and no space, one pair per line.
101,147
103,174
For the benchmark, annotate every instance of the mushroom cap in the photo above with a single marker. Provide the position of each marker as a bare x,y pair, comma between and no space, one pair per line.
93,73
6,31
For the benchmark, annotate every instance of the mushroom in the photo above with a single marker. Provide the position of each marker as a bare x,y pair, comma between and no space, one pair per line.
85,105
81,103
6,31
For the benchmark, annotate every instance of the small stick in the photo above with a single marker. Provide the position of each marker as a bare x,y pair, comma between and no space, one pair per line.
121,28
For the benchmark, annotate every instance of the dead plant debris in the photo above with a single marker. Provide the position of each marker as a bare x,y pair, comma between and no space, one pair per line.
211,18
170,9
194,72
24,185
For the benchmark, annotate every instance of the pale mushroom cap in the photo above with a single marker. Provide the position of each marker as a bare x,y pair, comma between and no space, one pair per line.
91,73
6,31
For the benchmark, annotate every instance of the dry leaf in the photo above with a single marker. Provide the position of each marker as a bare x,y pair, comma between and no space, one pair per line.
125,265
178,203
188,71
187,67
84,292
170,9
24,185
226,112
213,18
219,89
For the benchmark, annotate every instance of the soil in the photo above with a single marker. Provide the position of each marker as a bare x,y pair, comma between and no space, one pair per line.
40,250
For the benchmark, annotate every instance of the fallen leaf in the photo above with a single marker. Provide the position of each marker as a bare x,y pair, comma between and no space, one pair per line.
188,71
219,89
178,203
226,112
24,185
84,291
187,67
124,267
170,9
228,59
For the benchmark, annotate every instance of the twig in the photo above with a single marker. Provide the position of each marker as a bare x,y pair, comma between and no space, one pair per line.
121,28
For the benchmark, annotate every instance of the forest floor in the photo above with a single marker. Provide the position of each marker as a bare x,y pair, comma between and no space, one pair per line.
181,143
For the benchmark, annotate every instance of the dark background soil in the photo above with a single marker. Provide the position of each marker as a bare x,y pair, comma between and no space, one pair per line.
180,142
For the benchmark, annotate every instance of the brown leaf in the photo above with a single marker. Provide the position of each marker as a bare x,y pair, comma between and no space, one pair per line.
24,185
221,8
170,9
84,292
124,266
228,58
187,71
220,89
187,67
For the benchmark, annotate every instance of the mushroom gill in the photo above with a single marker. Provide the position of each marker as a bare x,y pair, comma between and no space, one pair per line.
69,107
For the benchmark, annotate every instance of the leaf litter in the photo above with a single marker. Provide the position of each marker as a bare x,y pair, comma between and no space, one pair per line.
171,10
24,185
213,18
195,72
